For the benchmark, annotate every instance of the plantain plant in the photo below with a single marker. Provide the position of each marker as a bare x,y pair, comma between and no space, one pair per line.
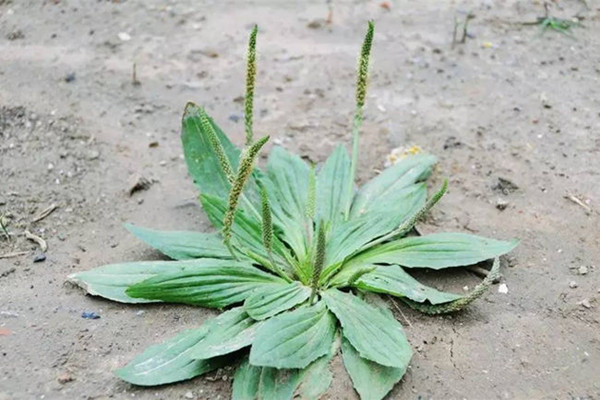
297,261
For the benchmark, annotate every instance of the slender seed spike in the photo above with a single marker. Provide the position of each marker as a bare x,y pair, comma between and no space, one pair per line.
358,274
319,260
267,221
461,303
216,146
361,94
245,169
410,223
250,79
363,67
267,231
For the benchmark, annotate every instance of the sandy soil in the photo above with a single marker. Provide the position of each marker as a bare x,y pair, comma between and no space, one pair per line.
506,104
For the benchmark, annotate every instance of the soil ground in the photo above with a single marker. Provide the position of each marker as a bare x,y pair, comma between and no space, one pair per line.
509,103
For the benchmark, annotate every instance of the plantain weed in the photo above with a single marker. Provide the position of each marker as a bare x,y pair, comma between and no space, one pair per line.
299,262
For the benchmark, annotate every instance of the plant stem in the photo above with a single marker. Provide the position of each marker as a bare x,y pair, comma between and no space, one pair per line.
361,94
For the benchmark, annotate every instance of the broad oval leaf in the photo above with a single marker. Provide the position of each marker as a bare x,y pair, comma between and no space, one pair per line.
246,381
395,281
265,383
182,245
273,299
351,236
333,195
287,183
227,333
294,339
222,284
169,361
388,187
376,335
372,381
111,281
438,250
202,162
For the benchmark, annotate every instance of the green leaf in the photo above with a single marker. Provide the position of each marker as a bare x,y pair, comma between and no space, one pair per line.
395,281
438,250
169,361
246,381
265,383
287,186
332,187
273,299
218,285
315,379
294,339
372,381
182,245
388,188
247,231
111,281
377,337
278,384
201,160
230,331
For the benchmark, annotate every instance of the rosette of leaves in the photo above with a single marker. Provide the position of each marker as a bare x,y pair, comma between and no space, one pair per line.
298,255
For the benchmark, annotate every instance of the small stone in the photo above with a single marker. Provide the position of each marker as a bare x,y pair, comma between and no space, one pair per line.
39,258
189,395
585,303
162,163
583,270
140,313
503,288
70,77
501,204
50,167
573,284
93,155
124,36
138,183
65,378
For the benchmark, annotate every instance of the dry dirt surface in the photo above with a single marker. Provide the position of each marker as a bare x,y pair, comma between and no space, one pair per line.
513,115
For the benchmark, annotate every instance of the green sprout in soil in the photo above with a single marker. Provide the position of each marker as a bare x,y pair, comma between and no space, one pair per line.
299,263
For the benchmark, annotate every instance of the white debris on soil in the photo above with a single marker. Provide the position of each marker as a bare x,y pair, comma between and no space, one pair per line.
503,288
124,36
583,270
400,153
573,284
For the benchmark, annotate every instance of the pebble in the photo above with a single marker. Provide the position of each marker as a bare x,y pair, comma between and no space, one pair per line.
585,303
65,378
501,204
189,395
90,315
70,77
573,284
124,36
583,270
503,288
39,258
94,154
